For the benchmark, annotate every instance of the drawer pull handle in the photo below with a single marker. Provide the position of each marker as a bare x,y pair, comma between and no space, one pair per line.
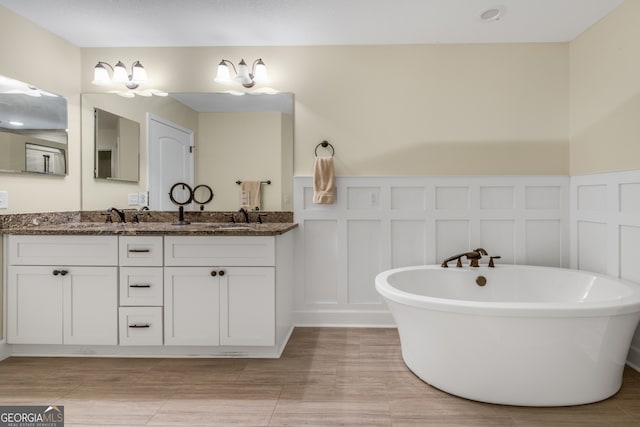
139,251
140,326
139,286
60,272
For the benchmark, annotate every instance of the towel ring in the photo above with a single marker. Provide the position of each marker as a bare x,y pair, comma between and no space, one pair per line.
325,144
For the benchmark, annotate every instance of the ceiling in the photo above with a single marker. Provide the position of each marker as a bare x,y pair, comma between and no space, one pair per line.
133,23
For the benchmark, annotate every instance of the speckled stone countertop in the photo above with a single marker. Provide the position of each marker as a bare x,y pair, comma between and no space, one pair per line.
150,223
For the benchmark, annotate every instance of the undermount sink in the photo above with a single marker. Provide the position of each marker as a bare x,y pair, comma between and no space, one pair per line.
234,227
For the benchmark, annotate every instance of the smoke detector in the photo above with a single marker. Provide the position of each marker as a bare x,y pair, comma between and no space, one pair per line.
492,14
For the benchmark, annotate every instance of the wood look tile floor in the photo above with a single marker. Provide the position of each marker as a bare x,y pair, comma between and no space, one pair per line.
326,377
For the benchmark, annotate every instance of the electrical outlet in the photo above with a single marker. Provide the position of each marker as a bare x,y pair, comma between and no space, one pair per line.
143,198
133,199
4,200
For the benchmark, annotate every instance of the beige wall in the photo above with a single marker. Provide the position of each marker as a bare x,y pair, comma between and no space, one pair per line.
399,110
605,94
31,54
240,146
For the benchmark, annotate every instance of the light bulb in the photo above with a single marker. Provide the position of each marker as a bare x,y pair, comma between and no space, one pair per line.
260,75
101,75
223,75
120,74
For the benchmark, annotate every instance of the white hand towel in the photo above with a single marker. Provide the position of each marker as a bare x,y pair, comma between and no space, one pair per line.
323,181
251,195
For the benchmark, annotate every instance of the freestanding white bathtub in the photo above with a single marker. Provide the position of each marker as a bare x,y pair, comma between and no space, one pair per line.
531,336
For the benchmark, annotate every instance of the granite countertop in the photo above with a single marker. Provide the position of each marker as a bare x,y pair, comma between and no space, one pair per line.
156,224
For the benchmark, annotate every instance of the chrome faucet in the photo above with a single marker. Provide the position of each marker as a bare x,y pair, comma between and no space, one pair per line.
245,214
473,255
119,212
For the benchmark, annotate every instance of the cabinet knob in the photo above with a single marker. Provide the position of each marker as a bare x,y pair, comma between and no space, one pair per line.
56,272
221,273
214,273
63,272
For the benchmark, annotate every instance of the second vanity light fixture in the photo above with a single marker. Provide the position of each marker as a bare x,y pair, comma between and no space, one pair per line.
121,75
246,78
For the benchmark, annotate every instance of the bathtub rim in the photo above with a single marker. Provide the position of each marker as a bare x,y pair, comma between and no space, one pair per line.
615,306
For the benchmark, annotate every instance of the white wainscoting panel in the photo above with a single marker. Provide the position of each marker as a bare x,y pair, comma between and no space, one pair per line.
605,229
379,223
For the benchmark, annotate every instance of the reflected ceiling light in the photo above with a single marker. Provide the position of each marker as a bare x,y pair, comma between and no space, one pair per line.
121,75
247,79
15,87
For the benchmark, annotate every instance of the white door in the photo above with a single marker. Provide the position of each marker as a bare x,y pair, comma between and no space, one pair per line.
191,306
34,305
247,306
90,301
170,161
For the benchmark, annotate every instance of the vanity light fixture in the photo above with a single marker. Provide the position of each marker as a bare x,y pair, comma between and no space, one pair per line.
247,79
121,75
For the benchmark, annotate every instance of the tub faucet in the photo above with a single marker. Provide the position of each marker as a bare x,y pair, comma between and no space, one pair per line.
474,260
473,255
119,212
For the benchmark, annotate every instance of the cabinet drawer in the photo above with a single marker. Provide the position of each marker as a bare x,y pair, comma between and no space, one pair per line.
141,286
63,250
141,250
140,325
219,250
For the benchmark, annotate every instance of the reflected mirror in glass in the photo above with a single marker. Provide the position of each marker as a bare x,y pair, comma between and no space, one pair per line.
117,142
33,129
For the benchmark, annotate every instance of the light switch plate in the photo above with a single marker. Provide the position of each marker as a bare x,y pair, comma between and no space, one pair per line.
4,200
133,199
143,198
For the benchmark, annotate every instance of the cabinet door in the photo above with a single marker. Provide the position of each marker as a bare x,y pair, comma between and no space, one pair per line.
191,301
91,305
34,306
247,306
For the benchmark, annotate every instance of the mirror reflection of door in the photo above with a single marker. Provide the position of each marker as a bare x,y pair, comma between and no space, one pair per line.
104,164
170,161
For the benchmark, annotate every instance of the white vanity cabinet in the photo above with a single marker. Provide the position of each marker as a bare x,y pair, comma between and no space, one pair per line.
149,295
220,290
62,290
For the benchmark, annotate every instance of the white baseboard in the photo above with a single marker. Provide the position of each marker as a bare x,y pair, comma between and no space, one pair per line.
5,350
633,358
61,350
344,318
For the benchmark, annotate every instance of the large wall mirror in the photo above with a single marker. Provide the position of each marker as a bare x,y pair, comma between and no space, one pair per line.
33,129
117,146
236,138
